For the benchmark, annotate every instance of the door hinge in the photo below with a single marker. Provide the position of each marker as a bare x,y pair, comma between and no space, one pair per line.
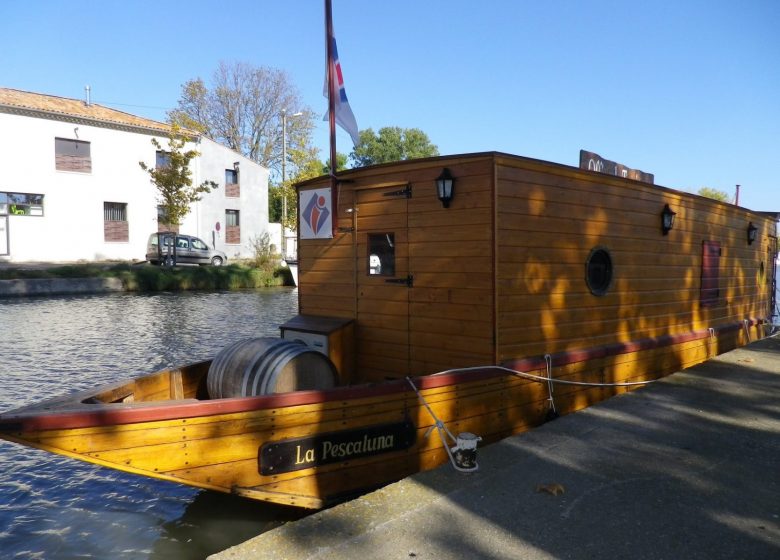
409,281
407,192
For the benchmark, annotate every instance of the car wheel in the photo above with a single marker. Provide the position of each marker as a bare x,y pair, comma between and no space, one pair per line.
216,261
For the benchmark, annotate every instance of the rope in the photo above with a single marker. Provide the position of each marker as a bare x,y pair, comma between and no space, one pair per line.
553,380
548,363
440,428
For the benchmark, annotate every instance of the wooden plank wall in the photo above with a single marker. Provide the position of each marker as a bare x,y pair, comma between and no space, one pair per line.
549,219
450,256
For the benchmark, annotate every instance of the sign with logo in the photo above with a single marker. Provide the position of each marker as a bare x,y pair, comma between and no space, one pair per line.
316,214
594,162
335,447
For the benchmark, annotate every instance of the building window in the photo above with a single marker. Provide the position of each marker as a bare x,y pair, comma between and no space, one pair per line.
162,160
162,225
72,155
381,254
710,273
115,225
598,271
21,204
232,188
232,227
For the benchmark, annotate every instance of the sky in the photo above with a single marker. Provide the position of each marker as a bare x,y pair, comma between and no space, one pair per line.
688,90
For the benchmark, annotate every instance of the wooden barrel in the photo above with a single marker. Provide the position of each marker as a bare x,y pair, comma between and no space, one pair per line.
262,366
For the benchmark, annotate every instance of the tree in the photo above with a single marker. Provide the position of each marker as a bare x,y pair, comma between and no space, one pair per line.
714,194
391,144
173,178
242,109
341,164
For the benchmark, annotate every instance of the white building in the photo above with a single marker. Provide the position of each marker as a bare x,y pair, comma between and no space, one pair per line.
71,187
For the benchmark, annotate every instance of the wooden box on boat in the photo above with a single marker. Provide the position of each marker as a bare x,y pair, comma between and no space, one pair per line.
496,282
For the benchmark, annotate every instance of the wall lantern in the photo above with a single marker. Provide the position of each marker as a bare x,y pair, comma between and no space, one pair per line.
444,187
236,164
752,231
667,219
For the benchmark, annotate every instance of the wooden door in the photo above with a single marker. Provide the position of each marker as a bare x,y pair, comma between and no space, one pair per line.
383,283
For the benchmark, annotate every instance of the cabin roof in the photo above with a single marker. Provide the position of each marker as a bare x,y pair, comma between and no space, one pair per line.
347,174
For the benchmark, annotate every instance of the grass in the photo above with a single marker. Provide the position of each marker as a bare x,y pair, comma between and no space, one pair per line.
147,278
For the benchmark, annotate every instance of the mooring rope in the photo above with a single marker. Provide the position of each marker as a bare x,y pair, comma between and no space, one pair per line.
548,364
440,428
551,379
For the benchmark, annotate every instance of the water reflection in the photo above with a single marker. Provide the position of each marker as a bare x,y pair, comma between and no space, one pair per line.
199,531
54,507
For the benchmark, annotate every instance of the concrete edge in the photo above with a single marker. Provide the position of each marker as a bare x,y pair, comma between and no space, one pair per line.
58,286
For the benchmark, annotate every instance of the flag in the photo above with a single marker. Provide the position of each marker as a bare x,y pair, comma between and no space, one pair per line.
344,117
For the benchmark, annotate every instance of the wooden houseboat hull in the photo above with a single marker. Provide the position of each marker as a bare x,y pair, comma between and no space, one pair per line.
434,315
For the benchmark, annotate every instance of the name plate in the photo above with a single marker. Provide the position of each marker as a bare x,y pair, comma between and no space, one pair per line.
323,449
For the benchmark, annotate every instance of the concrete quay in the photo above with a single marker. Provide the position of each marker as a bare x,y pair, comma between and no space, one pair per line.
688,467
58,286
35,287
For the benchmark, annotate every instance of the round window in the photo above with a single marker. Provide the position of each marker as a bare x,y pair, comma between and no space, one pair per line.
598,271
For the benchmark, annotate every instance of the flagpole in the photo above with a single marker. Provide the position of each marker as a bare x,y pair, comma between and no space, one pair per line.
331,115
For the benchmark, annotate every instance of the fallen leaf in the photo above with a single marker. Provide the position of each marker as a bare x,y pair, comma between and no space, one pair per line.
553,489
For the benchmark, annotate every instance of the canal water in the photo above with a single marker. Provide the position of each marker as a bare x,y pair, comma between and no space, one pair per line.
52,507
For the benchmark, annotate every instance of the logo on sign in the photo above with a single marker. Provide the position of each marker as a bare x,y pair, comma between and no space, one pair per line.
316,212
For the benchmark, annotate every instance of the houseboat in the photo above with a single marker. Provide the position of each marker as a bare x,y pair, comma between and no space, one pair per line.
442,302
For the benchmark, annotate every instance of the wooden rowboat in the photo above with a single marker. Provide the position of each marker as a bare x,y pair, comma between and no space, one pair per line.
428,319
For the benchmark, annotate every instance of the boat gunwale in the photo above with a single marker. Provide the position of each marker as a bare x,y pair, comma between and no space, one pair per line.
79,414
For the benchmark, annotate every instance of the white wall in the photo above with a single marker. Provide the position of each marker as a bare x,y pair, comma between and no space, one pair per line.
71,228
252,206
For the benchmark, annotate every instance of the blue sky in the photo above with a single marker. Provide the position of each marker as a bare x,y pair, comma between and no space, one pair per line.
687,90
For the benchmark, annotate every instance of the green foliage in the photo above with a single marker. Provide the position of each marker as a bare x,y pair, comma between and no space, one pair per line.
265,258
174,180
714,194
391,144
341,164
276,194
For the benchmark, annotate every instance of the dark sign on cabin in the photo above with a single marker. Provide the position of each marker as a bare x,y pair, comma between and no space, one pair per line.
594,162
303,453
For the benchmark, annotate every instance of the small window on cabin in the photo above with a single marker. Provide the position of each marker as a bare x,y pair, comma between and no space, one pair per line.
598,271
381,254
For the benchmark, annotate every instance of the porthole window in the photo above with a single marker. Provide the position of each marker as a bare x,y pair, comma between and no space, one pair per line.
598,271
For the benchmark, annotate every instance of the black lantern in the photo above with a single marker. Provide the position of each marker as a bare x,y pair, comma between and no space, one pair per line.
752,231
667,219
444,187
